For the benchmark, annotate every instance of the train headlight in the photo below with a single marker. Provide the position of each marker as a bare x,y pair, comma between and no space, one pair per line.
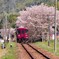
18,35
26,35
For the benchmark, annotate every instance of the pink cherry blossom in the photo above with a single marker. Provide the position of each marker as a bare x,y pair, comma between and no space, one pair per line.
36,18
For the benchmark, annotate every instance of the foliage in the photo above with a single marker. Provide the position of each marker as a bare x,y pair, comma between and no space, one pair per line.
36,18
13,25
11,54
50,48
22,4
58,5
12,19
1,24
9,5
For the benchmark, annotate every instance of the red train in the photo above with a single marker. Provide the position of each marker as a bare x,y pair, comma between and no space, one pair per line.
22,35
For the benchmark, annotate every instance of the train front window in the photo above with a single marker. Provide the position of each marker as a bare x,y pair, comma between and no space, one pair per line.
18,31
23,31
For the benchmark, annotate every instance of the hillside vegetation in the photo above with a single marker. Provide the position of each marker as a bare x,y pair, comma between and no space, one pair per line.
12,6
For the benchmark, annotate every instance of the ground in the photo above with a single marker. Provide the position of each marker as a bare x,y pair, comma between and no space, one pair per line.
14,51
23,55
2,51
10,51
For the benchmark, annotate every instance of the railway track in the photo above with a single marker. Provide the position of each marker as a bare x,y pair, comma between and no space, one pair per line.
33,53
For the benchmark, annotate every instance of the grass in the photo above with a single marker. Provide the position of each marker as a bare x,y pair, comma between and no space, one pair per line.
0,48
11,54
50,48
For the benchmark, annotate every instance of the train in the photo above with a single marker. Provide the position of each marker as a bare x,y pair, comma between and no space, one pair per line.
22,34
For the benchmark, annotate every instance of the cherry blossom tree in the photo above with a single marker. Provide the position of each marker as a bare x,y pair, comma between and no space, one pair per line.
37,18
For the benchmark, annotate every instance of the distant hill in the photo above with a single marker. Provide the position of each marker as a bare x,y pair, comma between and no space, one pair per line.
11,5
22,3
14,6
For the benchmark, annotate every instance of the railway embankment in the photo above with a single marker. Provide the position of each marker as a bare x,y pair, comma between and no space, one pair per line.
17,51
2,52
44,45
11,51
45,52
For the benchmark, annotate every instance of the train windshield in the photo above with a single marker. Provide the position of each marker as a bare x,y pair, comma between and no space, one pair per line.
18,31
24,31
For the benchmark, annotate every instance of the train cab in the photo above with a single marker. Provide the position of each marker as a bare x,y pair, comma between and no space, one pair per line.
22,34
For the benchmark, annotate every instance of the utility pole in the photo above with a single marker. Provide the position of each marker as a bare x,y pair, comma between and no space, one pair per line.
48,30
4,21
55,19
5,25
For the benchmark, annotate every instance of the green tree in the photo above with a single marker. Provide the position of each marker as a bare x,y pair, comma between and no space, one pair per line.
12,19
1,25
58,5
